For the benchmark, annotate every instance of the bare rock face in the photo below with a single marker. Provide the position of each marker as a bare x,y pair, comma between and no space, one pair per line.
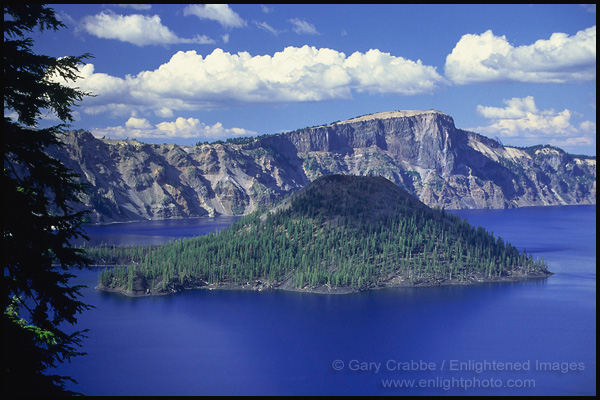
443,166
130,180
421,151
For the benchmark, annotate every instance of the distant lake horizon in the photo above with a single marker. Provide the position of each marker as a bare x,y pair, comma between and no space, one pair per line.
154,231
535,337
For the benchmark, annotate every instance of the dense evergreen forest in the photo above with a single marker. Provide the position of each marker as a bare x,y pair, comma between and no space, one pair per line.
338,232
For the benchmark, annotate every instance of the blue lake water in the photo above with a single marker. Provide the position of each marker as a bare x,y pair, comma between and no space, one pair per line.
529,338
155,231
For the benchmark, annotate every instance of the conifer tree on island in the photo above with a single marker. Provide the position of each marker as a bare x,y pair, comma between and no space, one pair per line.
38,218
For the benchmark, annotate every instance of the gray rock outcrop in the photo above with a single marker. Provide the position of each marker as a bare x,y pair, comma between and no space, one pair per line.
421,151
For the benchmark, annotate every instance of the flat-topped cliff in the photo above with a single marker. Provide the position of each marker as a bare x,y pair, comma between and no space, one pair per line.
421,151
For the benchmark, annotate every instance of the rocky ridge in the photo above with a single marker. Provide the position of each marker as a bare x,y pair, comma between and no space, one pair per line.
421,151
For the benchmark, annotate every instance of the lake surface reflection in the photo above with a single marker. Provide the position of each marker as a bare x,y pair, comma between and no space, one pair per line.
529,338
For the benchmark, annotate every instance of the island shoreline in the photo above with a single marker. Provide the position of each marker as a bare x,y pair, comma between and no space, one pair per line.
258,286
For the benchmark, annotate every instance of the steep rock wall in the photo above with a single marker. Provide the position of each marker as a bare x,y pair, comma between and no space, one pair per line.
421,151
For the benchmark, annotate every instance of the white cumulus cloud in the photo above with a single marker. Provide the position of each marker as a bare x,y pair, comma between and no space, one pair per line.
535,125
515,108
522,118
189,81
303,27
490,58
186,128
138,123
139,7
587,126
573,142
524,125
137,29
221,13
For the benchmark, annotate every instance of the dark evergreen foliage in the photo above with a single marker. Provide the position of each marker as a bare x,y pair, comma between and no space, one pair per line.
339,231
38,217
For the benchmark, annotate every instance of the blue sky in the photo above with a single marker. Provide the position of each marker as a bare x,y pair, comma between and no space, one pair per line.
188,73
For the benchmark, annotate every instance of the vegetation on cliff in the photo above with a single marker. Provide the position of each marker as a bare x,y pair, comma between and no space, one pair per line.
338,233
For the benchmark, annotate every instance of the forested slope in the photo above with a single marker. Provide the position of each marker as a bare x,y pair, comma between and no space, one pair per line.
338,234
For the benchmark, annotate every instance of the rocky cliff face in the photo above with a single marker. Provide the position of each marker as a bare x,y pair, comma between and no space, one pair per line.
421,151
